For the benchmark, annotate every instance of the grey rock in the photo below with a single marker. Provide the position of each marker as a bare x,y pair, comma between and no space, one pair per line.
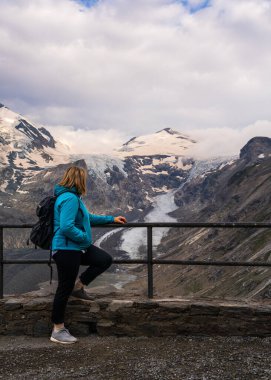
42,328
38,304
12,304
80,329
118,304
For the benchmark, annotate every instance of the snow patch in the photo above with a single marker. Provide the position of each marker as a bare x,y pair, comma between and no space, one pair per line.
159,189
196,237
98,163
8,120
133,238
148,171
4,185
225,164
203,167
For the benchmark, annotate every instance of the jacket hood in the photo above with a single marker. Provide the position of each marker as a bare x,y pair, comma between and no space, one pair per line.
58,189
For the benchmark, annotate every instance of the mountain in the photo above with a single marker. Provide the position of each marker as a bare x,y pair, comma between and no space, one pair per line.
165,142
160,159
236,192
32,161
138,181
140,169
25,149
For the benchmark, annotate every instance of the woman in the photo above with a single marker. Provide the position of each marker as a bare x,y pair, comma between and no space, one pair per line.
72,246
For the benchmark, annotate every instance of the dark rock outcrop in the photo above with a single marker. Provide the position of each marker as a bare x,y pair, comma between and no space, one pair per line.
256,149
36,135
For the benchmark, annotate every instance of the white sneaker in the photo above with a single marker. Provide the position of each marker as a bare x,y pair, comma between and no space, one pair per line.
63,336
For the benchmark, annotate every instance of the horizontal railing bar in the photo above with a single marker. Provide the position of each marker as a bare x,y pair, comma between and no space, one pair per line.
26,261
220,263
169,224
134,261
159,261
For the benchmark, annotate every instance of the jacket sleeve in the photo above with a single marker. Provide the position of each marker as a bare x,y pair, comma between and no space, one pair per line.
100,219
68,212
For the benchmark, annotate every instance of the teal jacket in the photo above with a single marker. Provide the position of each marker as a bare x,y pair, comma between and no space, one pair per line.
72,227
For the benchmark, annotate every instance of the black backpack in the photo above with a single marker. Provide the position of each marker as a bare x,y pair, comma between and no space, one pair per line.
42,232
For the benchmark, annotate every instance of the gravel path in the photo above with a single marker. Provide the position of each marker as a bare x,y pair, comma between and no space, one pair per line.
140,358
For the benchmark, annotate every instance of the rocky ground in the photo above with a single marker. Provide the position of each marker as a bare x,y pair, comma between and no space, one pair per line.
122,358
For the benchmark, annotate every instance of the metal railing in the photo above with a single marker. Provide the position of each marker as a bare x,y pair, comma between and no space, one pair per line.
150,261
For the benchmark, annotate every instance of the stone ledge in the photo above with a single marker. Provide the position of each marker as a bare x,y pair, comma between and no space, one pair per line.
29,314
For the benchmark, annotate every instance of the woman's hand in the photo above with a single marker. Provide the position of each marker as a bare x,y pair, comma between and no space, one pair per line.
120,219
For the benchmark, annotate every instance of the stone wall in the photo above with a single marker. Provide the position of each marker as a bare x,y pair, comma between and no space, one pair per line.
136,316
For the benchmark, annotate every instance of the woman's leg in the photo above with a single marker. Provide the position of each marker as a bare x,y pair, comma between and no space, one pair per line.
68,263
98,261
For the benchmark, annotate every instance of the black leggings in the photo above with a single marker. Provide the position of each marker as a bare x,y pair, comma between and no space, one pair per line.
68,263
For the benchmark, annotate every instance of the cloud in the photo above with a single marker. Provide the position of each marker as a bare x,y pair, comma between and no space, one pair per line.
134,66
211,142
82,141
215,142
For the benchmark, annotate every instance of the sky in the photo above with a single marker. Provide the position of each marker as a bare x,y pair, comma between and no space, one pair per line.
98,72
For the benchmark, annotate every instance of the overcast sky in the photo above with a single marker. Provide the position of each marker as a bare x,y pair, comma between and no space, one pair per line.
99,72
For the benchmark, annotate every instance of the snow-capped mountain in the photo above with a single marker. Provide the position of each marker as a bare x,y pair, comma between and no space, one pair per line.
165,142
162,158
145,181
25,149
145,167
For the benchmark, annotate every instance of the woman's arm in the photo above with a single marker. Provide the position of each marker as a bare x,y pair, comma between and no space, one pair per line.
102,219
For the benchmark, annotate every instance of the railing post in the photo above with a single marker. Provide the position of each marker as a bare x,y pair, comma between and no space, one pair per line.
1,263
150,263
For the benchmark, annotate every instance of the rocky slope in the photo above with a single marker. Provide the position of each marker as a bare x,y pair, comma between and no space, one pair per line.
238,192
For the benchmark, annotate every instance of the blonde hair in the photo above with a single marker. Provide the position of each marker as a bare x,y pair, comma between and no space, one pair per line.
75,176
